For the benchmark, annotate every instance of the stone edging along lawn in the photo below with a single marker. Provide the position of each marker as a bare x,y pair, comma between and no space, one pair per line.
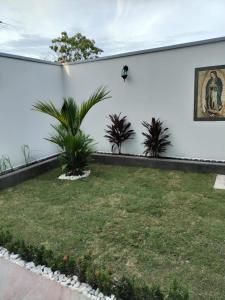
31,171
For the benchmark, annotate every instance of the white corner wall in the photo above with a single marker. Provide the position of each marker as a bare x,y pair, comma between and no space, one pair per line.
23,82
160,84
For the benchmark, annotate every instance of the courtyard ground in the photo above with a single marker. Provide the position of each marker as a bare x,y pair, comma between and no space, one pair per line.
154,224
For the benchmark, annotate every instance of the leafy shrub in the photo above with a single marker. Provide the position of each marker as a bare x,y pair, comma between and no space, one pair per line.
99,279
145,292
156,139
13,246
26,251
91,276
118,131
82,264
43,256
67,267
5,237
124,289
76,147
105,282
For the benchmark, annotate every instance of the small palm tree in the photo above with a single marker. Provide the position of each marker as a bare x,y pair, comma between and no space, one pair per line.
75,145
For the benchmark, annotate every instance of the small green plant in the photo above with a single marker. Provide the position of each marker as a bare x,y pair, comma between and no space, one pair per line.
26,153
118,131
5,237
156,138
82,264
5,164
124,288
101,279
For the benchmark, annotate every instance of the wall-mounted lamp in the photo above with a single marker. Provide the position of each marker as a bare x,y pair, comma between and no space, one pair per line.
124,72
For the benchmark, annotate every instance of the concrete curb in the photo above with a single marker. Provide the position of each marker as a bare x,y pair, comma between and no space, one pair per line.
161,163
29,172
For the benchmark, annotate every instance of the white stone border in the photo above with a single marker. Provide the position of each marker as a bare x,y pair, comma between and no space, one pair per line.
64,177
66,281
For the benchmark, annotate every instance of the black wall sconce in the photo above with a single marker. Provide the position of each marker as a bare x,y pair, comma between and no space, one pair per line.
124,72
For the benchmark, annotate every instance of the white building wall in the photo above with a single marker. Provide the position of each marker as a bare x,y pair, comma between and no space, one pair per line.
160,84
22,83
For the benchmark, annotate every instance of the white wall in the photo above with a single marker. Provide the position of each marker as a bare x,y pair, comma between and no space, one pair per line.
160,84
22,82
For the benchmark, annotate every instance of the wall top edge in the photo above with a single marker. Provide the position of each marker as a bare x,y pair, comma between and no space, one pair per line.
152,50
26,58
121,55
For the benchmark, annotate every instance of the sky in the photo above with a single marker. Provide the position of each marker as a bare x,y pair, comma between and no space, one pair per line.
117,26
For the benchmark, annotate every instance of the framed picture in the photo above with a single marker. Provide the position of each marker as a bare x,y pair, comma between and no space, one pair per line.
210,94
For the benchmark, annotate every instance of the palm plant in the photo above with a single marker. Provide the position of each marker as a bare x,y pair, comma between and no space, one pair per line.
156,139
75,145
118,131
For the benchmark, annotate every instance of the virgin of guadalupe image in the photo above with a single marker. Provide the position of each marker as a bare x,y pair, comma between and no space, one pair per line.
213,94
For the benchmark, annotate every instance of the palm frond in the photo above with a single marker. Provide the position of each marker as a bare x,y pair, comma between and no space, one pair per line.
70,111
59,137
99,95
51,110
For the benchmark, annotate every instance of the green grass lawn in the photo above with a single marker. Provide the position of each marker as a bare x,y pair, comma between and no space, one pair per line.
155,224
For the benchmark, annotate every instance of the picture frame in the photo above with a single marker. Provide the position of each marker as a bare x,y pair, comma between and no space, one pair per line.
209,93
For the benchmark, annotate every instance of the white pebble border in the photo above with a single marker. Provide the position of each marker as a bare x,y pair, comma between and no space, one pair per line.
64,177
66,281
